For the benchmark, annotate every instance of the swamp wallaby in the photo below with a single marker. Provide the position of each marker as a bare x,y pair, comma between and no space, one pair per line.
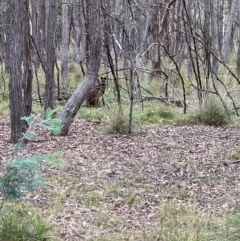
96,92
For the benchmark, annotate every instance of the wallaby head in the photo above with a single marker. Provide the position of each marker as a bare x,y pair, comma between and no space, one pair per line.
96,92
103,84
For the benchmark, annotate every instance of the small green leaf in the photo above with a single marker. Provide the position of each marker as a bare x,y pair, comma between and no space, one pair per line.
50,113
28,119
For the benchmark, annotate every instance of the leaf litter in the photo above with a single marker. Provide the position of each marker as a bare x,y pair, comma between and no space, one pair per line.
117,183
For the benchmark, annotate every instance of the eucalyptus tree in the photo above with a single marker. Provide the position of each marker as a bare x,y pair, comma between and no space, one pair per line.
49,56
18,51
78,29
238,55
65,42
93,31
228,31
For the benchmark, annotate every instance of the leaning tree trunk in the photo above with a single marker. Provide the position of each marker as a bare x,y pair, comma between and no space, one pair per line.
14,41
94,37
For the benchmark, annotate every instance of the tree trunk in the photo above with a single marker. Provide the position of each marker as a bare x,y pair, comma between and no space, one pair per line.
50,57
215,40
207,44
117,26
65,40
94,37
14,40
2,34
77,29
155,55
145,35
238,54
228,32
41,31
27,67
220,23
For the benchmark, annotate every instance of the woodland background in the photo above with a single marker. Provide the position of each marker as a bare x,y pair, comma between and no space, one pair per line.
190,48
160,159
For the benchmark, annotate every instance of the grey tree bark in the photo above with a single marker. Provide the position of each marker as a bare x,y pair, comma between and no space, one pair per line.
2,37
50,96
145,34
215,39
228,32
94,36
238,54
77,28
34,18
207,42
65,41
41,35
117,27
27,67
220,22
15,40
155,54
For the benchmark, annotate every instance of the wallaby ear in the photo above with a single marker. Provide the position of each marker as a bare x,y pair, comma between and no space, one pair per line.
103,78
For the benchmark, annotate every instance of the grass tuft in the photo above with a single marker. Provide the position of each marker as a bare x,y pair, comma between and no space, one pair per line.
212,113
182,222
23,222
118,123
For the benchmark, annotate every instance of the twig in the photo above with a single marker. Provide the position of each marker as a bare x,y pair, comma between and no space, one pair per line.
228,163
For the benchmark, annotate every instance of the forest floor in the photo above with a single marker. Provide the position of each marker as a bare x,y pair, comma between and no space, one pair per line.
116,184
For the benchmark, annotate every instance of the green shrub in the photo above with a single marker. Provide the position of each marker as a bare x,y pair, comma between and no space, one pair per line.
22,223
212,113
23,174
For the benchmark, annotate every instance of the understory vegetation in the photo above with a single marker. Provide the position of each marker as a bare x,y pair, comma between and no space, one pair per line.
173,220
140,100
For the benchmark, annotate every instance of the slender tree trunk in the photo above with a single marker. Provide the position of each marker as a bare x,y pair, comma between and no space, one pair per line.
207,44
215,39
228,32
27,67
65,41
117,27
238,55
2,34
77,28
143,44
94,37
41,35
14,40
50,57
220,22
155,54
34,18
